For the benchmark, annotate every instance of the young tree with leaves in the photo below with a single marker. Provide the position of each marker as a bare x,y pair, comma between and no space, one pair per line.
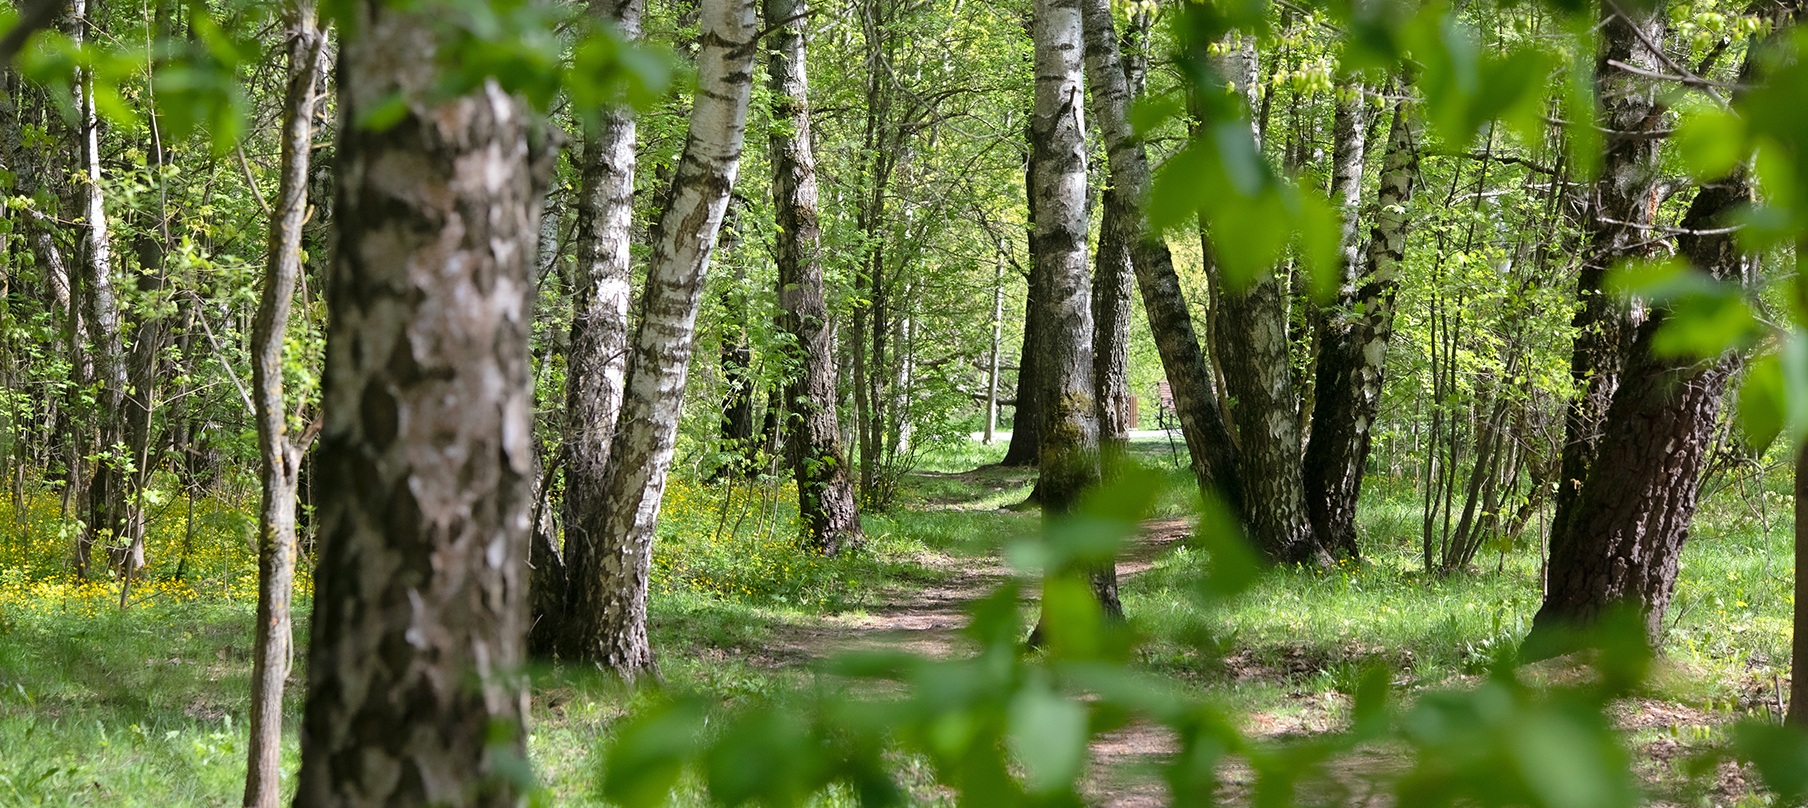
279,456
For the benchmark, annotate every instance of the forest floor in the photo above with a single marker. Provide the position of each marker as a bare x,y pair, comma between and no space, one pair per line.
147,706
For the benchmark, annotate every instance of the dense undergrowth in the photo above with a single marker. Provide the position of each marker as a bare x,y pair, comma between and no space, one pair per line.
146,705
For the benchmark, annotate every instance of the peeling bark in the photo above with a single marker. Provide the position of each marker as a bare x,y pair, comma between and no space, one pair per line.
597,359
1208,439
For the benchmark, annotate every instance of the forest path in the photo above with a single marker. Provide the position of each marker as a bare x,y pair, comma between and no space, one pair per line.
929,622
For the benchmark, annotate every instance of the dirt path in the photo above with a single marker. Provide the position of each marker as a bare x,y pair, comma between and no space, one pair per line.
930,621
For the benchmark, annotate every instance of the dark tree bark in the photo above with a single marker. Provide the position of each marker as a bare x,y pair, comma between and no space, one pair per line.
415,696
279,458
1025,448
606,597
1111,283
736,357
1621,205
596,361
1624,529
1353,344
825,485
1208,439
1798,644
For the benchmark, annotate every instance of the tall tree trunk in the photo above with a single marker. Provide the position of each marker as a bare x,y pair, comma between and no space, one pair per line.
1070,429
1208,439
1353,344
1111,282
992,357
1025,448
279,458
1798,644
1621,205
825,485
596,362
100,311
414,689
606,605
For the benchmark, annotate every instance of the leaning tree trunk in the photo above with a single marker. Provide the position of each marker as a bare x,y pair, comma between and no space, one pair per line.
825,485
279,458
596,361
415,695
1208,439
1070,429
606,603
1353,343
100,312
1622,204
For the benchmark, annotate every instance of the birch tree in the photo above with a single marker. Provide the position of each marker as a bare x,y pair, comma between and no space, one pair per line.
414,693
606,598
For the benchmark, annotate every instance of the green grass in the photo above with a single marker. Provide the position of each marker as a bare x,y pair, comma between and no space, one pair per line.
147,707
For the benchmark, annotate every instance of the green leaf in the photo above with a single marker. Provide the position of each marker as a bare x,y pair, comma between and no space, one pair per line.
649,753
1763,403
764,756
1073,623
1321,234
1048,735
386,112
1780,754
1235,565
1712,143
1706,325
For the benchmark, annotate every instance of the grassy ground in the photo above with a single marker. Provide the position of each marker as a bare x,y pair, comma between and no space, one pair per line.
146,706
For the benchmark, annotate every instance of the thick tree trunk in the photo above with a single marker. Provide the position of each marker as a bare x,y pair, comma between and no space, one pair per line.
100,312
279,459
1353,344
596,361
1070,430
415,695
1252,339
606,603
1621,205
1631,517
825,485
1208,439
